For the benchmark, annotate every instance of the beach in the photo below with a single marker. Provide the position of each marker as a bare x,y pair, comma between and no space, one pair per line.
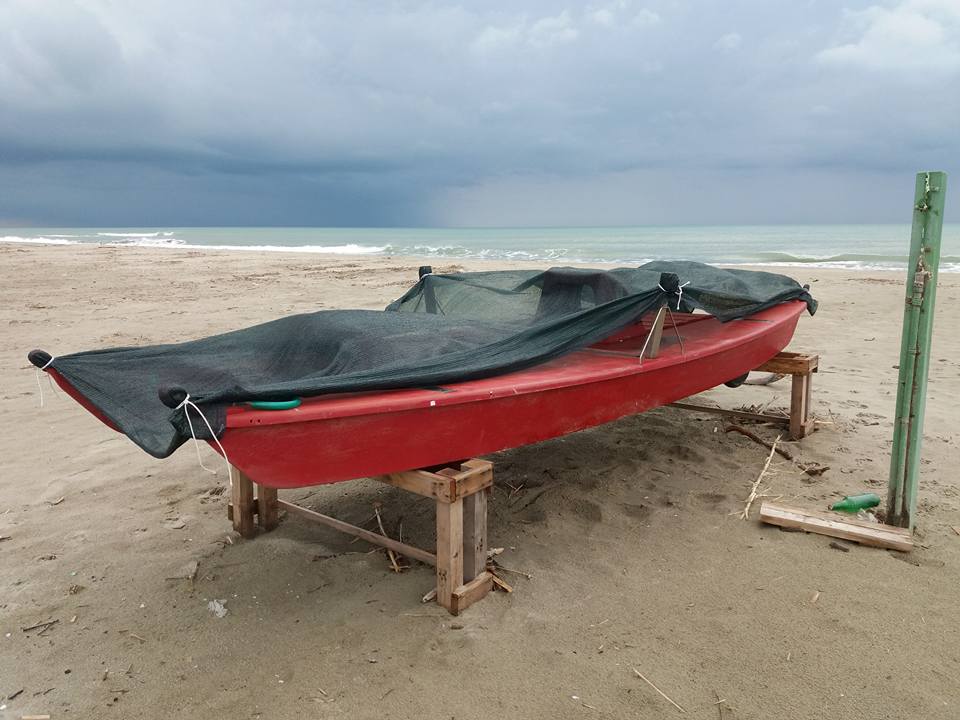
624,541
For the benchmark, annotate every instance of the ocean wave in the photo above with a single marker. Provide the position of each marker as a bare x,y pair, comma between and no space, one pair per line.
135,234
949,263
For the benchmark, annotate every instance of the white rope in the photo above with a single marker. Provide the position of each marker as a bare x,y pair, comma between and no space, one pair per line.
188,403
679,291
39,384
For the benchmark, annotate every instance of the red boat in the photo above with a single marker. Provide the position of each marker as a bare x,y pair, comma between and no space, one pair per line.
340,437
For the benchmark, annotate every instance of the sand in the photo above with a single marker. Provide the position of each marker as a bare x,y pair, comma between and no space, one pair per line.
628,531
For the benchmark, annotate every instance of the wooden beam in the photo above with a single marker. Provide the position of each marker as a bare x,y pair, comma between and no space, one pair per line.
468,593
371,537
825,523
791,363
474,476
474,535
242,497
799,406
446,484
268,512
421,482
449,551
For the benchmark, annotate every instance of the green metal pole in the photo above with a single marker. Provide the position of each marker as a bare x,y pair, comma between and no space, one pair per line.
915,347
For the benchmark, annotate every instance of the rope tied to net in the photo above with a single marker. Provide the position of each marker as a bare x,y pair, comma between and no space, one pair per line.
185,405
678,292
50,379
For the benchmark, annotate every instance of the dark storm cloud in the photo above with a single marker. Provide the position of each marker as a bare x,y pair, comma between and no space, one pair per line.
485,113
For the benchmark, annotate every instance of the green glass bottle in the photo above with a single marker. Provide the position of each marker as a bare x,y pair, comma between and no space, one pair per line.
853,503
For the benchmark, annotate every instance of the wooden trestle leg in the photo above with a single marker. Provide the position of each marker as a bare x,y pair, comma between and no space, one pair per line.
460,494
244,506
461,499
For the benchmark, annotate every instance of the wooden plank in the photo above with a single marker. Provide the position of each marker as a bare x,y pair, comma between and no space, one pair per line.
449,551
268,512
371,537
791,363
421,482
468,593
799,406
474,535
475,475
242,496
825,523
447,484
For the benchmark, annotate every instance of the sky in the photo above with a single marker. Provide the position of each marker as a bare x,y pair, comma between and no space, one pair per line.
490,113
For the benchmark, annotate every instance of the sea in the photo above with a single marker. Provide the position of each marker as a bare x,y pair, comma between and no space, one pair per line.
852,247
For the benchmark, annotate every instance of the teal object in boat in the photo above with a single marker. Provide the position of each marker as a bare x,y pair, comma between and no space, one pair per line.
275,404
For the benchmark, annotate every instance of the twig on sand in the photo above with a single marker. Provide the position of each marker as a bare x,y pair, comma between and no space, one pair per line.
756,483
719,703
662,693
501,568
44,625
390,553
812,470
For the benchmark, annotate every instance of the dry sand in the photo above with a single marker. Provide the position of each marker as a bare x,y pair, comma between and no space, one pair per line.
628,531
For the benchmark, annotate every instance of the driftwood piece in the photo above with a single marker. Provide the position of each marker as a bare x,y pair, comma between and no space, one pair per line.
812,469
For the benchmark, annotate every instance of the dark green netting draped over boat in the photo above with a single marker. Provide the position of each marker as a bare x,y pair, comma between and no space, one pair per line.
445,329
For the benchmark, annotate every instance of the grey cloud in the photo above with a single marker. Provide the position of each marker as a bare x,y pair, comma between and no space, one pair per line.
417,112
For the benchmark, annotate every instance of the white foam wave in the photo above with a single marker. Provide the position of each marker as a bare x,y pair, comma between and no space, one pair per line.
135,234
324,249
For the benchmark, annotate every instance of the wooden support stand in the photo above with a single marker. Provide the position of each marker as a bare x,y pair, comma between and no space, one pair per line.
461,499
801,368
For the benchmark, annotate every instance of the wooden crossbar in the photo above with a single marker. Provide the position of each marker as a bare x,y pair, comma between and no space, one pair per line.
371,537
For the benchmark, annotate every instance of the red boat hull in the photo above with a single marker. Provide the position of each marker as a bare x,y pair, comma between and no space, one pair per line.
334,438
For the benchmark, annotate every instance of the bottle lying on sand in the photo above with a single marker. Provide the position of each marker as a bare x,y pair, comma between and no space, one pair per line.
852,503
